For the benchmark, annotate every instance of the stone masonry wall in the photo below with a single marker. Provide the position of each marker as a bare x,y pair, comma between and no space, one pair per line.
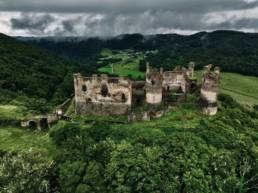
102,95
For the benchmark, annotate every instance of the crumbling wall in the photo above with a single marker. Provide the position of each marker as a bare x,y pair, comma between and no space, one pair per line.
40,122
174,80
102,95
178,79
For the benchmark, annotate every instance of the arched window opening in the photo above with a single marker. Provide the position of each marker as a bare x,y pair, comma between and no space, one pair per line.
104,90
123,98
84,88
43,123
32,124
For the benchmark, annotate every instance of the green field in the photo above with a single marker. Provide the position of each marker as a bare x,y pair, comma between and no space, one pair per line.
244,89
10,112
183,117
128,64
15,139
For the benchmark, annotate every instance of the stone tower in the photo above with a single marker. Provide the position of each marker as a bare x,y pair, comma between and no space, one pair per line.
153,86
209,90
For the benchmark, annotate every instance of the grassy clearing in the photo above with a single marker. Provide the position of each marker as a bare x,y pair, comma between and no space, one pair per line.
128,64
242,99
13,138
16,139
183,118
244,89
11,112
125,69
106,53
177,119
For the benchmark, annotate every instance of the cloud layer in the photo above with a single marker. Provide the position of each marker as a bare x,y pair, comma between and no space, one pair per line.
113,17
123,6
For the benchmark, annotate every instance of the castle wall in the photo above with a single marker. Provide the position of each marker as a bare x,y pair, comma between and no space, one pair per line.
177,79
102,95
173,80
101,109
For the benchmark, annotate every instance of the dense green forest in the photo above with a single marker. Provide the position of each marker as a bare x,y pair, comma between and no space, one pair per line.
30,71
184,151
232,51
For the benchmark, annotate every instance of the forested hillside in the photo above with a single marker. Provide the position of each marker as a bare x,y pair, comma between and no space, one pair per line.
232,51
184,151
79,51
30,71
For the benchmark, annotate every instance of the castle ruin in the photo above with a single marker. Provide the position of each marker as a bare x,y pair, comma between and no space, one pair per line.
158,83
103,95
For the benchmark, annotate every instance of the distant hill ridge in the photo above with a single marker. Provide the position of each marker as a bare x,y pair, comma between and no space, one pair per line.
233,51
28,69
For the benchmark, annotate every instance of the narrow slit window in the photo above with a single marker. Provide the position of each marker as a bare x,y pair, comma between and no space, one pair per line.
84,88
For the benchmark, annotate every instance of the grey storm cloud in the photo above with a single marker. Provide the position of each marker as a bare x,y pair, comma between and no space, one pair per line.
68,26
114,17
235,23
32,22
124,5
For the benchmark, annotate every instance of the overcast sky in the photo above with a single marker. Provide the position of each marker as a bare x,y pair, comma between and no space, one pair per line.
114,17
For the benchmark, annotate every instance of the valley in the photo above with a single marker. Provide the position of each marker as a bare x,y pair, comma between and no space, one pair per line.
184,150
